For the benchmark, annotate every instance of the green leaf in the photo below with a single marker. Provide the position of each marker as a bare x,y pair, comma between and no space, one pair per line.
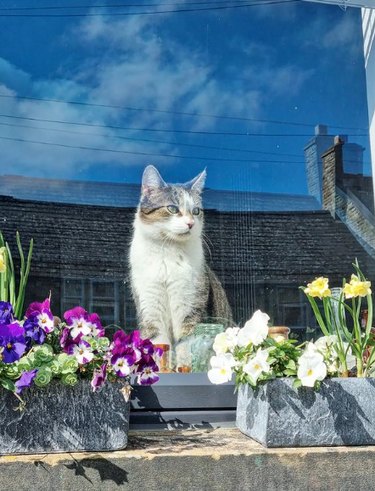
297,383
289,373
291,364
8,384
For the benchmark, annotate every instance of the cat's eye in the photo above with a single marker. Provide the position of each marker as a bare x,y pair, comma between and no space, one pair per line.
173,209
196,211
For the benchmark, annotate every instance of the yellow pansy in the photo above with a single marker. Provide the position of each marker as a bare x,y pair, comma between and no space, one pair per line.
318,288
3,260
357,288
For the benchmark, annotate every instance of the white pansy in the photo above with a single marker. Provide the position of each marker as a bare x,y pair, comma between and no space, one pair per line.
257,365
79,326
221,370
310,348
328,346
83,353
232,336
220,344
226,341
311,366
326,342
255,330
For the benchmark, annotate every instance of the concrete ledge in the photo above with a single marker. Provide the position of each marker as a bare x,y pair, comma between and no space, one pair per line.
193,460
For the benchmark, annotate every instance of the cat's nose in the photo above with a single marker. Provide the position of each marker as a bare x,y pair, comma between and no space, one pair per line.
190,223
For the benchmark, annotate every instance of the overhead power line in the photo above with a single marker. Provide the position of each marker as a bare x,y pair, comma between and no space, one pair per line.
154,12
147,154
174,143
179,113
169,130
123,5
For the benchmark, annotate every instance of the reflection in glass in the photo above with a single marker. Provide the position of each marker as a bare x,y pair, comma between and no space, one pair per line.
271,100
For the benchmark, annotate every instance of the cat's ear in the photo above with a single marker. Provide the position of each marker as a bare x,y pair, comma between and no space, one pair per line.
197,184
151,179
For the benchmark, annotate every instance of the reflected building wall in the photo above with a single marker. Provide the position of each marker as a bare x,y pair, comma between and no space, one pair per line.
261,257
368,29
352,154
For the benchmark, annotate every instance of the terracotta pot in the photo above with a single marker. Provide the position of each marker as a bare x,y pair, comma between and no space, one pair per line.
278,332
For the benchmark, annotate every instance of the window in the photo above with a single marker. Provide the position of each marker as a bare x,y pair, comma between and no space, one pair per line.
270,99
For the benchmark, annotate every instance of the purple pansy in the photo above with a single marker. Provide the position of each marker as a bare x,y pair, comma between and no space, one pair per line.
64,337
82,323
99,378
40,313
126,343
82,351
13,342
6,313
25,380
33,331
122,364
147,347
36,307
147,372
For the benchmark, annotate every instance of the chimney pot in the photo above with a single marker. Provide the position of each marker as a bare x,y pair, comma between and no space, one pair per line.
321,129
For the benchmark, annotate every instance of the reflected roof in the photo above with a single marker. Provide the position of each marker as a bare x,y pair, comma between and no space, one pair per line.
127,195
80,241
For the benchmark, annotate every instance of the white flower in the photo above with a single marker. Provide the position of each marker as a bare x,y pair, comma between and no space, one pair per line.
257,365
83,353
46,322
232,335
311,366
80,326
325,342
310,348
220,344
255,330
226,341
221,370
328,346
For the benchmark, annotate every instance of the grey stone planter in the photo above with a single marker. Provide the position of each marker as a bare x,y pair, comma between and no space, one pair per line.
342,412
64,419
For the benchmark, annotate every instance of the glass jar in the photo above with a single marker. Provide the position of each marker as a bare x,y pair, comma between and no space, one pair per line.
201,345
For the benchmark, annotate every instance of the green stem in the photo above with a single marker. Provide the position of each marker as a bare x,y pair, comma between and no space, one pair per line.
318,315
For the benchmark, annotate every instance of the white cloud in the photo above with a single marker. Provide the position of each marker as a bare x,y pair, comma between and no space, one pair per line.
132,62
13,78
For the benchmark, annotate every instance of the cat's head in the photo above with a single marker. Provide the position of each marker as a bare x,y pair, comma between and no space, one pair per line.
171,211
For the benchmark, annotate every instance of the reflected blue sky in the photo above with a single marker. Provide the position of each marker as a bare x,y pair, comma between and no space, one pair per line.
146,88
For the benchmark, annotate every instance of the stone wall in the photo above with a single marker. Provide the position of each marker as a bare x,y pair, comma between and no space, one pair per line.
332,175
357,218
349,197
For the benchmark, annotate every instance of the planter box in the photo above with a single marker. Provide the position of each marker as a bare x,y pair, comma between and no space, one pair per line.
342,412
64,419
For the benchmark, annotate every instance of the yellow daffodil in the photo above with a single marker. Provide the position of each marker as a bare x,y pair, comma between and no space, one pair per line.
3,260
318,288
357,288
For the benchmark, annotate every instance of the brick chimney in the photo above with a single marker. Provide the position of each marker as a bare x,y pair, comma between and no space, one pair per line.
333,173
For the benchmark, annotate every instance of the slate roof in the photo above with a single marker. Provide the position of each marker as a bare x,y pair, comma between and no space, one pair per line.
127,195
279,247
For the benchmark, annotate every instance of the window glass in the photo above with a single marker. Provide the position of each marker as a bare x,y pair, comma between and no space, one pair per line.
260,109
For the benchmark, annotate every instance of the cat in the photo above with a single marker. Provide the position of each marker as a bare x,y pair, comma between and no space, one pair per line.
170,280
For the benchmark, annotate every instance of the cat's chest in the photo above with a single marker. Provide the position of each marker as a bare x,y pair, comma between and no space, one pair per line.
168,266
